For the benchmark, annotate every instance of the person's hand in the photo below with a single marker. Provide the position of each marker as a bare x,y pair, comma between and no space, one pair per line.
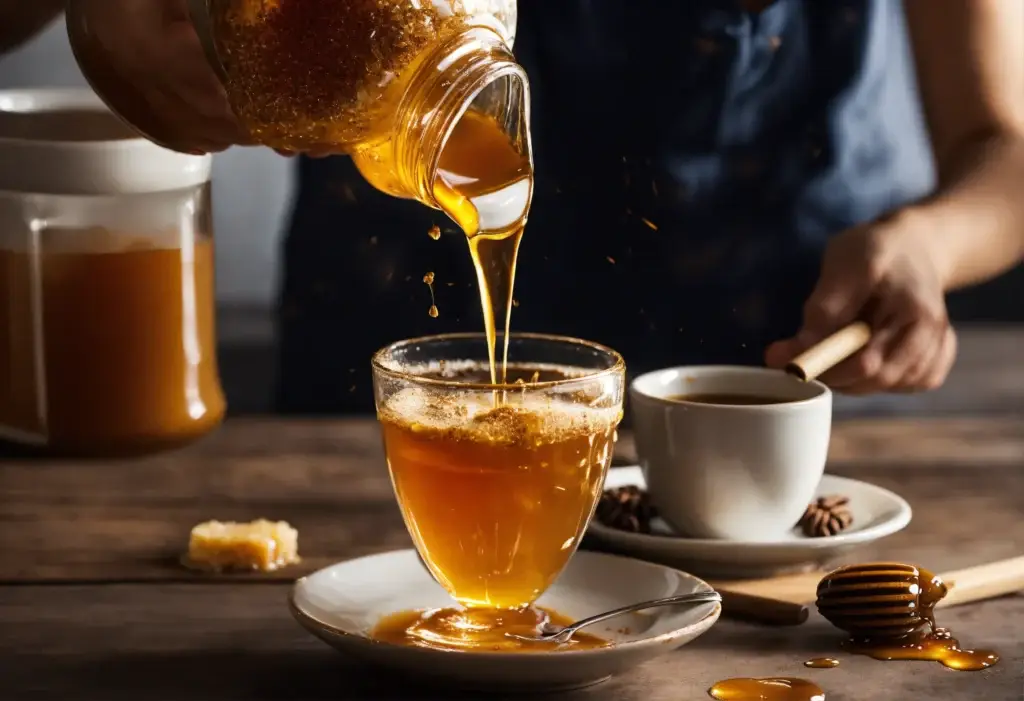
146,61
883,274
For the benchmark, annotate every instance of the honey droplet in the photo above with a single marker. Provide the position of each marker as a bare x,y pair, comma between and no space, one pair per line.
822,663
767,689
434,232
515,302
649,224
428,280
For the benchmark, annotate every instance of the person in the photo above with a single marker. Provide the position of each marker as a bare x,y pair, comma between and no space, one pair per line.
717,181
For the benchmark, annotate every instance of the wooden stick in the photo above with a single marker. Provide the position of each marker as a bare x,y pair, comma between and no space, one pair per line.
983,582
830,352
758,609
966,586
793,588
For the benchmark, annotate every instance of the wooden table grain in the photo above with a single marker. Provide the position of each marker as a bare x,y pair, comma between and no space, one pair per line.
94,605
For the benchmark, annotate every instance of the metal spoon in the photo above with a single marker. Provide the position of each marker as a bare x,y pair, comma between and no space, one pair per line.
554,634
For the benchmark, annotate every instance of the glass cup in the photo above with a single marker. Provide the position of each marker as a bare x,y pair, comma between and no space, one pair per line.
497,483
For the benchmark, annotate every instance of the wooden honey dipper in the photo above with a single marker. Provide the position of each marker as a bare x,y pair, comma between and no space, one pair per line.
889,611
884,600
828,353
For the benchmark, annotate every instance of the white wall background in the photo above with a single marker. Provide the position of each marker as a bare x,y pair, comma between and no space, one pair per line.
252,187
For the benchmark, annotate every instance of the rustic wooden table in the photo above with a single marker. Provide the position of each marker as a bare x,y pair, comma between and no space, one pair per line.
93,604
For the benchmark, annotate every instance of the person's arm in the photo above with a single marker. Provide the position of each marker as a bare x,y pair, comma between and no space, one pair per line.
970,66
20,20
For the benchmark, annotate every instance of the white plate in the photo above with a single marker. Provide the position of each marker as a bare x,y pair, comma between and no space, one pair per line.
341,603
877,513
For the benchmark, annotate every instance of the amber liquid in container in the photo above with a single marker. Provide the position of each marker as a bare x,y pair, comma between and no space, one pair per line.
526,477
430,104
107,334
128,353
424,95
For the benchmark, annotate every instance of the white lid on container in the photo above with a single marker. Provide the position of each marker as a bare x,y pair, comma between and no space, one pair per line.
66,142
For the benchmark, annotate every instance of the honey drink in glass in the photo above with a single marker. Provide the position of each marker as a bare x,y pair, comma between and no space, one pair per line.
496,482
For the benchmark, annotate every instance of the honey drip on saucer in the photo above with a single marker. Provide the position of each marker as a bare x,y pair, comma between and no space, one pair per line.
822,663
482,630
767,689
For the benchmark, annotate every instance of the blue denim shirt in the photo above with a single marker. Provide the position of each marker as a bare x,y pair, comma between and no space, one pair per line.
692,159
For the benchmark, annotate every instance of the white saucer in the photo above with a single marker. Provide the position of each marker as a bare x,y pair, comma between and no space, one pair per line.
341,603
877,513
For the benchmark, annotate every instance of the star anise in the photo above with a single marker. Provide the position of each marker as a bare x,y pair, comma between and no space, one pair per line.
826,516
626,509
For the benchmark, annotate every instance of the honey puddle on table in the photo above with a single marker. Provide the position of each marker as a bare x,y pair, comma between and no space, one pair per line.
822,663
477,630
767,689
936,646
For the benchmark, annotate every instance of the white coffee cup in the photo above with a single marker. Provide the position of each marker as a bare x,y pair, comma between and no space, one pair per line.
731,471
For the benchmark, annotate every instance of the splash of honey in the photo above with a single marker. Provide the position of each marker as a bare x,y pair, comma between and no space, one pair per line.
428,280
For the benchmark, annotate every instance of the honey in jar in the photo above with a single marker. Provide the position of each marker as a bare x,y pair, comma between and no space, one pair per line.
107,340
384,81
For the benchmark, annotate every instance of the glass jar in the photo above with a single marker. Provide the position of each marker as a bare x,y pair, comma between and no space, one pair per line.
107,342
385,81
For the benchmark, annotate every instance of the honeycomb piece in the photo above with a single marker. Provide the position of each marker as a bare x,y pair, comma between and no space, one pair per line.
261,545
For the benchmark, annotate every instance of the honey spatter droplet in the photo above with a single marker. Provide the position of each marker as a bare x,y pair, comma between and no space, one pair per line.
766,689
515,302
649,224
822,663
428,280
610,259
434,232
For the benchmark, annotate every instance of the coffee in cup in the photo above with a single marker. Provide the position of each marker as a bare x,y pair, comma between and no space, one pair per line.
731,452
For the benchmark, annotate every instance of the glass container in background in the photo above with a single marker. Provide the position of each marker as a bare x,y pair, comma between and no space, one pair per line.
107,337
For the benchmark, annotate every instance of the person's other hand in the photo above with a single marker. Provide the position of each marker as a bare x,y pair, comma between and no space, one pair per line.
883,274
145,59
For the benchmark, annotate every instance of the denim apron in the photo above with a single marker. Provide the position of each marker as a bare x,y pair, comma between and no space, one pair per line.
692,161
